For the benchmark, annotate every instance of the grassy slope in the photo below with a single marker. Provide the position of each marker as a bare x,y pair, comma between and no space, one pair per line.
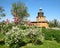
46,44
3,46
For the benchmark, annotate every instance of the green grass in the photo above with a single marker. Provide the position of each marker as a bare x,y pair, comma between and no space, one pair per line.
3,46
46,44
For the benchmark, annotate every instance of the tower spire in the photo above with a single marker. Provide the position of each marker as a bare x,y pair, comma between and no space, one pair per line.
40,13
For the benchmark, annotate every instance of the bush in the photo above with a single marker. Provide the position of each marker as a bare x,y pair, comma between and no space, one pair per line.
56,35
57,38
14,37
48,36
35,35
51,34
18,37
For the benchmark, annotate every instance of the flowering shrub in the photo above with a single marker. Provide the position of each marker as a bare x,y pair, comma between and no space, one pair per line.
16,36
35,36
5,28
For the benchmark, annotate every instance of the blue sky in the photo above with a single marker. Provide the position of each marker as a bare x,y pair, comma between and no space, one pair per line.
51,8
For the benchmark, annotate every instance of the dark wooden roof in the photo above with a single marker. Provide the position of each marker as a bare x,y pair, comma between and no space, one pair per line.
40,22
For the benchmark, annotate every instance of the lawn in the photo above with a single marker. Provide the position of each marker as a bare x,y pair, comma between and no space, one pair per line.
46,44
3,46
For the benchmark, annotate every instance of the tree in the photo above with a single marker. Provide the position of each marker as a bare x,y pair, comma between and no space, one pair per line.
2,14
59,24
19,11
51,24
55,23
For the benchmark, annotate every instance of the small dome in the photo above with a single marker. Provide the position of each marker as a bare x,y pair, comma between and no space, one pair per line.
40,10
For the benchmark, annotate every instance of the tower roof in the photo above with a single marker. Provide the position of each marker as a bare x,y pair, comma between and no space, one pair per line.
40,13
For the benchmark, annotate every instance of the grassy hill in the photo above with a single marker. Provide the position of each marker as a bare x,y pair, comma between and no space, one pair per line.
46,44
52,40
